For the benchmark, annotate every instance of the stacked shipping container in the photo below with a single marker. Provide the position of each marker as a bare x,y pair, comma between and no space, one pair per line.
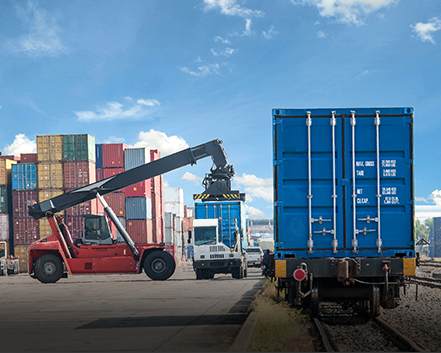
6,163
158,212
79,169
138,202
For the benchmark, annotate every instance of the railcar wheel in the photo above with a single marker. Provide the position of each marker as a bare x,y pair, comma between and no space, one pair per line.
374,302
315,301
48,268
159,265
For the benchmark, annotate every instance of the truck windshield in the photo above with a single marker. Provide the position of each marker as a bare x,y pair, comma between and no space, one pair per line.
204,235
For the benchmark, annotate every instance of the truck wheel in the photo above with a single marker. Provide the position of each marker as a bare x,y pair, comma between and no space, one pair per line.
48,268
199,274
236,272
159,265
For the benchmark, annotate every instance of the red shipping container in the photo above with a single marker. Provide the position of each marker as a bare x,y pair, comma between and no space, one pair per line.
99,174
78,173
88,207
141,189
75,226
113,155
21,200
138,230
117,202
26,231
108,172
28,158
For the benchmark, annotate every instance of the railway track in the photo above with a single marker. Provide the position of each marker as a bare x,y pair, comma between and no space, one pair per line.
430,263
360,335
426,281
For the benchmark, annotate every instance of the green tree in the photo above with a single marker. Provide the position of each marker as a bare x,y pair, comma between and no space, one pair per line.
422,230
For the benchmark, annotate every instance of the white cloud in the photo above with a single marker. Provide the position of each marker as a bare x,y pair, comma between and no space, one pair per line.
256,187
21,144
148,102
321,34
270,33
425,30
203,70
422,199
159,140
42,37
435,196
193,178
224,41
247,31
347,11
227,52
117,111
253,212
229,7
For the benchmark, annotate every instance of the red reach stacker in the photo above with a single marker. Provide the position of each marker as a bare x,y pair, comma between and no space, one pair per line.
57,256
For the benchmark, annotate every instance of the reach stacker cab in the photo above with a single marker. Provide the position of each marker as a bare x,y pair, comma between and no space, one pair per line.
57,255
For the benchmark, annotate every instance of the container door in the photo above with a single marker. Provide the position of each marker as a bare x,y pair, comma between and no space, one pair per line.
308,195
379,167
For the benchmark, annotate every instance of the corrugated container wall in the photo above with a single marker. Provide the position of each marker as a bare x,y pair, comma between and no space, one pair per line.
4,227
25,231
24,176
113,155
138,208
99,156
157,202
78,173
28,158
134,157
3,199
50,175
116,201
139,231
75,226
88,207
343,182
436,243
79,148
6,171
49,148
109,172
21,251
44,228
174,201
21,200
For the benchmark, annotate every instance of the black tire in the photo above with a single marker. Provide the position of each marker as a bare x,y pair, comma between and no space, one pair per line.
159,265
199,274
48,268
236,273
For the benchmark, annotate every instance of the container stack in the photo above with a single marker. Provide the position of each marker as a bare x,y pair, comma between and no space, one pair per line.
158,213
436,241
138,201
6,163
49,173
79,170
174,211
24,194
109,162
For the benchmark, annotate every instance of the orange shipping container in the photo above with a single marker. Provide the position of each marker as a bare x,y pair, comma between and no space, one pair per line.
21,251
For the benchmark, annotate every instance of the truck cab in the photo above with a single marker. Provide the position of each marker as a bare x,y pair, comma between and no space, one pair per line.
218,240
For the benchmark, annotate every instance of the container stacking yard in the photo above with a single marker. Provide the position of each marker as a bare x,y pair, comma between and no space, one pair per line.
66,162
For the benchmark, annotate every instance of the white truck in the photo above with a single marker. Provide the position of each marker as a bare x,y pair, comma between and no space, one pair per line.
218,239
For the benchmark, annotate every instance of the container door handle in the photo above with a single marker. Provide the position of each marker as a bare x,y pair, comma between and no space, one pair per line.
354,196
334,194
377,127
310,242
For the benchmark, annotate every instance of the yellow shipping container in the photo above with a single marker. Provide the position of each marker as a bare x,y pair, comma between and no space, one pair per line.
47,194
21,251
50,175
6,171
45,228
49,148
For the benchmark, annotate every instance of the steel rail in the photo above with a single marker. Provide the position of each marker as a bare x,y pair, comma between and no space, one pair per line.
403,339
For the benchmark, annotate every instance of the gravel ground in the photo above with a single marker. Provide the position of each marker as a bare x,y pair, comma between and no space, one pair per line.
419,319
361,338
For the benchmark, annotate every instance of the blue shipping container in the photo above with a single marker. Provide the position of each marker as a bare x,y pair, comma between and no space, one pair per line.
24,176
138,208
134,157
343,182
99,156
229,214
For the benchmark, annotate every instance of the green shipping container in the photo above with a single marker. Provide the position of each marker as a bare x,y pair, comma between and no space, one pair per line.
3,199
79,148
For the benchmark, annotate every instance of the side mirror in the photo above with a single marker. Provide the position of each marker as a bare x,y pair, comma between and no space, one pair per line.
189,237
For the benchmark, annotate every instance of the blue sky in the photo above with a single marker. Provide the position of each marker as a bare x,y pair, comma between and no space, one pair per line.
172,74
